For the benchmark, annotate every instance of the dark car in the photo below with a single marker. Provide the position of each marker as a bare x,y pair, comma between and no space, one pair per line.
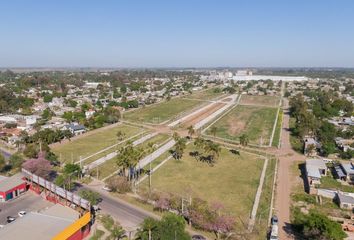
274,220
10,219
198,237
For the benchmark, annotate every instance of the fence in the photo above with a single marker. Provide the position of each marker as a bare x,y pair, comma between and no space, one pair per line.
73,198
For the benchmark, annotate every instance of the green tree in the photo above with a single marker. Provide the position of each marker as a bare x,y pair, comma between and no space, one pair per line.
91,196
16,161
180,146
2,162
213,130
244,140
318,227
191,131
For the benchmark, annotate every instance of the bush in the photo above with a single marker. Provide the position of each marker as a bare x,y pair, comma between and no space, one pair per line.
119,184
318,226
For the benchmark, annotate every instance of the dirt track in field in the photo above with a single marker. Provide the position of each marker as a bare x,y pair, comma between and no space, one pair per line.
198,117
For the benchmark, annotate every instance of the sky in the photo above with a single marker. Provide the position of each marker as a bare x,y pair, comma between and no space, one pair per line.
177,33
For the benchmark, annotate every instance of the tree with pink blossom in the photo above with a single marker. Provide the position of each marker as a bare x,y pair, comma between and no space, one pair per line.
39,166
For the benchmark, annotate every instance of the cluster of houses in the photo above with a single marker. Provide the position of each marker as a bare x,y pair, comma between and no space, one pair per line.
316,169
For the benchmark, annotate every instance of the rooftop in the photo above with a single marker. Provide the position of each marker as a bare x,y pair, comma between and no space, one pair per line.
40,226
348,168
343,198
11,182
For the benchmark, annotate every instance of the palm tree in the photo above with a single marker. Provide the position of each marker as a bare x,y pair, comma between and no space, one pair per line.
180,146
146,229
191,131
117,232
120,135
175,136
213,130
199,142
244,140
215,150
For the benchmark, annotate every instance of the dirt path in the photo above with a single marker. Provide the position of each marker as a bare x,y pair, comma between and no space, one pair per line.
198,117
286,156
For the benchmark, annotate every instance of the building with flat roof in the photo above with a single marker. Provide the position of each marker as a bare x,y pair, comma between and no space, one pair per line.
56,222
315,169
269,77
12,187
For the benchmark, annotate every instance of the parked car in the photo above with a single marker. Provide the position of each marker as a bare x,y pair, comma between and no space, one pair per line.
21,213
274,233
107,189
274,220
198,237
10,219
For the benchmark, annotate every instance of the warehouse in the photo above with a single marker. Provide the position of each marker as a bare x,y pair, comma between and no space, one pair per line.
57,222
12,187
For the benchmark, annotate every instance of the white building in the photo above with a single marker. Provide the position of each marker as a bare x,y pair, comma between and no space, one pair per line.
266,77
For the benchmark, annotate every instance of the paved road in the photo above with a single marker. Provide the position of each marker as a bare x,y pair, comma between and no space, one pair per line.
287,156
128,215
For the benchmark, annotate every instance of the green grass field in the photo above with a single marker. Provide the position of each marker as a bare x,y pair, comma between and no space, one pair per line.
110,166
161,112
263,100
255,121
278,127
233,180
91,142
207,94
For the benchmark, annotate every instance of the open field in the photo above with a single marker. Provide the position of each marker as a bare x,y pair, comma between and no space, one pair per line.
161,112
92,142
271,101
255,121
110,166
228,181
207,94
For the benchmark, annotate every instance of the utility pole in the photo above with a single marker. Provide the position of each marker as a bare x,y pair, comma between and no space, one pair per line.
150,172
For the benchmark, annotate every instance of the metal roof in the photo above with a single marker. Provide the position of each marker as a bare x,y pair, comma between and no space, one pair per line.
11,182
34,225
339,171
348,168
345,198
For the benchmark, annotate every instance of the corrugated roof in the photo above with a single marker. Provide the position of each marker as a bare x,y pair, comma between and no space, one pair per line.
11,182
37,226
345,198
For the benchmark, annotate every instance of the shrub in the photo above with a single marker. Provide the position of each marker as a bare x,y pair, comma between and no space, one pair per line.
119,184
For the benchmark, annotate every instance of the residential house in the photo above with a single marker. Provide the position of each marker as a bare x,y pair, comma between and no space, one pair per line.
75,128
311,146
345,200
315,169
348,169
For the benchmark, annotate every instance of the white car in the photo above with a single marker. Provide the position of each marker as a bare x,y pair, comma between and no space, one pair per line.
107,189
21,213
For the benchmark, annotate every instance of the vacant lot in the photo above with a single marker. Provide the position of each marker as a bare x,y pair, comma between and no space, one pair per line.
255,121
110,166
92,142
233,180
271,101
161,112
207,94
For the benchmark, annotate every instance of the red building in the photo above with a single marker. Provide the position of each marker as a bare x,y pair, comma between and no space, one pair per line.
12,187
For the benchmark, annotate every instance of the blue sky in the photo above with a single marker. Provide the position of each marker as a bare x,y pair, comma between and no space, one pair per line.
171,33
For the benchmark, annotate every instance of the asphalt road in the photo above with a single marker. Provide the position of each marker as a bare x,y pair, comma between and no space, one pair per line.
128,215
